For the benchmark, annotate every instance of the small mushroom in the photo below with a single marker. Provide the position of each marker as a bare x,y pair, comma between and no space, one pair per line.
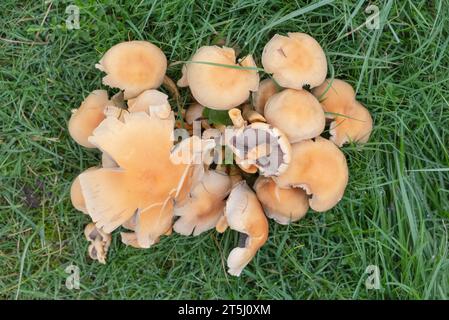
204,205
295,60
357,126
100,242
282,205
258,145
245,214
195,113
76,195
319,167
267,88
87,117
297,113
215,79
251,115
133,66
336,96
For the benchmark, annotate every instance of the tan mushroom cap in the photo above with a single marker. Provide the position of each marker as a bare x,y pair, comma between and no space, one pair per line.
267,88
87,117
336,96
195,113
356,126
205,204
295,60
318,167
133,66
282,205
297,113
220,87
244,214
76,194
158,101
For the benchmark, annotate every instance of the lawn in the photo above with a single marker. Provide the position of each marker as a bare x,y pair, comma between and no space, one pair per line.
395,211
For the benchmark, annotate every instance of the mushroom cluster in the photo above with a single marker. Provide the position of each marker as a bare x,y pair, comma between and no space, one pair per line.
164,169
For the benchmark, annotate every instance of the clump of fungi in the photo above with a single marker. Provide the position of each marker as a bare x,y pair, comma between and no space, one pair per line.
163,171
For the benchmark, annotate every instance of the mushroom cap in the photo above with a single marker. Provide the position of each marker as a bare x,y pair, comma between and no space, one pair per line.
133,66
204,206
318,167
87,117
261,145
151,101
267,88
195,113
76,195
295,60
297,113
336,96
244,214
282,205
220,87
357,126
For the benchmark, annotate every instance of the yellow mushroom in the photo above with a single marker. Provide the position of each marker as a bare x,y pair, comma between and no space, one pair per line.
297,113
295,60
204,206
217,86
267,88
133,66
87,117
318,167
245,214
147,179
282,205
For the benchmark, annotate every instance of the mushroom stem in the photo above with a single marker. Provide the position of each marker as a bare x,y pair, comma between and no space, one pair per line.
236,118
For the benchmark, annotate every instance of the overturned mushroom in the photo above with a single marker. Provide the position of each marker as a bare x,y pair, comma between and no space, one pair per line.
133,66
258,145
297,113
204,205
215,79
295,60
267,88
88,116
99,242
318,167
147,180
244,214
282,205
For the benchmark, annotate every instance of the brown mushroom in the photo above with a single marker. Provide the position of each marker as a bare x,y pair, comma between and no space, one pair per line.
318,167
297,113
100,242
244,214
204,205
215,79
267,88
87,117
295,60
133,66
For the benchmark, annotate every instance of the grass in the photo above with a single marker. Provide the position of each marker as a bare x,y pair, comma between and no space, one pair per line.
394,214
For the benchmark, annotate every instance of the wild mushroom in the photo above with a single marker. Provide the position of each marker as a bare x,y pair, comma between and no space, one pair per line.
76,195
295,60
318,167
267,88
147,179
204,205
297,113
87,117
352,121
282,205
258,145
251,115
99,243
133,66
244,214
217,81
195,113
